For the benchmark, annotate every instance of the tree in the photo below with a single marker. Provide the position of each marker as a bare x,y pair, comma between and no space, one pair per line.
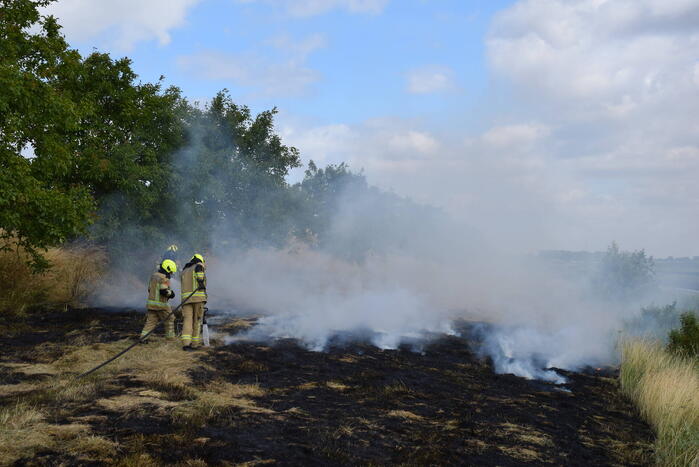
322,191
624,275
123,147
40,205
227,179
350,218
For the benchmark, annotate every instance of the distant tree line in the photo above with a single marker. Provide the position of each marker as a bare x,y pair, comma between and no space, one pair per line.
88,151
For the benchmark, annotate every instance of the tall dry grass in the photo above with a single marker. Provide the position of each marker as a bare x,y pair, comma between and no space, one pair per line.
665,387
74,272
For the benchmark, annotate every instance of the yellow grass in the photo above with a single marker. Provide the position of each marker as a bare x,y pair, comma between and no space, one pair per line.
216,401
74,272
161,367
404,414
665,388
21,432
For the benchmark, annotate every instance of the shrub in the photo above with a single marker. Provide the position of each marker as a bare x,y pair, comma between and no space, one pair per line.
685,340
624,275
654,321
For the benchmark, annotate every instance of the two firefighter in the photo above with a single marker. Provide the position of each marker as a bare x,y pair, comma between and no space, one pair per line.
193,296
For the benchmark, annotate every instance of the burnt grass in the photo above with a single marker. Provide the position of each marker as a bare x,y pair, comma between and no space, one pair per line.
352,405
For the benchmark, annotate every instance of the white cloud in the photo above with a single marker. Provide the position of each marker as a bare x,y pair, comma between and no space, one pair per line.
515,135
616,81
305,8
299,49
373,144
601,141
430,79
263,73
415,141
120,23
597,55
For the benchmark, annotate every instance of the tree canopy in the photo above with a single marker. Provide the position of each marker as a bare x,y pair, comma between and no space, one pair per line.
40,204
88,150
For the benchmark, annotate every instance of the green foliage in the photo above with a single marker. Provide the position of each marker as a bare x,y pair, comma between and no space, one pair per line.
343,214
685,340
142,167
654,320
126,141
322,191
40,205
229,178
624,275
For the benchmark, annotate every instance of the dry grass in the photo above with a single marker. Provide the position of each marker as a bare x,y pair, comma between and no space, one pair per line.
336,385
162,360
526,433
18,289
22,431
404,414
72,275
161,367
395,390
92,447
218,400
665,388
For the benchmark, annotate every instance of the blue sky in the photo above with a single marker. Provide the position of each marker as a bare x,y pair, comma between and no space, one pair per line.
360,63
537,120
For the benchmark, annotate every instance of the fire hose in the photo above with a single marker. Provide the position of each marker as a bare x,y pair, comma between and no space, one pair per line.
140,340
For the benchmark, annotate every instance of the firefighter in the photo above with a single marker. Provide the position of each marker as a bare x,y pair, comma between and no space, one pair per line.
193,281
170,253
159,292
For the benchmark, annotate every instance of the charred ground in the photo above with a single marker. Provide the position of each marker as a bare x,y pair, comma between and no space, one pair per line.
355,404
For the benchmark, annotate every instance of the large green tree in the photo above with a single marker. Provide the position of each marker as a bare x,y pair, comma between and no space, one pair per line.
40,205
230,177
124,145
146,167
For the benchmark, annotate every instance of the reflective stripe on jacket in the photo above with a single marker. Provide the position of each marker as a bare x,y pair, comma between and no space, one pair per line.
156,301
190,281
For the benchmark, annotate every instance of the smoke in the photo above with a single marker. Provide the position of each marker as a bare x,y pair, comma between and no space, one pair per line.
525,313
315,297
384,270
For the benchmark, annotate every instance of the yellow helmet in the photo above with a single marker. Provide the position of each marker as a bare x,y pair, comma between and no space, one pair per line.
172,248
169,266
197,256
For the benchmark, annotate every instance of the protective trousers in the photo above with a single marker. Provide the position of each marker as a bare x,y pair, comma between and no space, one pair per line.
192,316
152,319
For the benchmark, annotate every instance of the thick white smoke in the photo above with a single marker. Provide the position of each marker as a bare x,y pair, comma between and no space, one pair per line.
313,296
526,317
391,272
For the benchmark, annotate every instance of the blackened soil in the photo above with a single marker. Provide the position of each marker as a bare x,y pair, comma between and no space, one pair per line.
358,405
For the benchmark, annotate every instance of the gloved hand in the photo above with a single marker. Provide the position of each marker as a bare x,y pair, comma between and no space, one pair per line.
172,294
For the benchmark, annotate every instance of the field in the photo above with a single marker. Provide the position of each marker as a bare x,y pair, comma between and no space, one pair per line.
255,404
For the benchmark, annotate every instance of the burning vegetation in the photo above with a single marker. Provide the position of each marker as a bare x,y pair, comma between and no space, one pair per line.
281,404
354,326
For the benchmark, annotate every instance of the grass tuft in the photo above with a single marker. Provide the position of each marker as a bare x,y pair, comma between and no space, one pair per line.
22,431
216,402
665,387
